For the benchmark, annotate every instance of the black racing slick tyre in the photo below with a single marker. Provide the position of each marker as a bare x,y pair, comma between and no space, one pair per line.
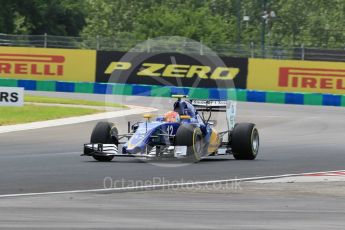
102,134
245,141
190,136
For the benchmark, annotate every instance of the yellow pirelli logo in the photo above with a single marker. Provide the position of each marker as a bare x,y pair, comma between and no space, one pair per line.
47,64
296,76
176,70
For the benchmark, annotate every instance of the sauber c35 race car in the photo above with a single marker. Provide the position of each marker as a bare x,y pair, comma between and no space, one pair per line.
185,133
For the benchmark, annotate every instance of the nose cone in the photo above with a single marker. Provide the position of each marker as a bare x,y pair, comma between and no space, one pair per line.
139,141
136,144
133,150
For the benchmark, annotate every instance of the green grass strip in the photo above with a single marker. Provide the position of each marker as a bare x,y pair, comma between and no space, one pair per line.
32,113
53,100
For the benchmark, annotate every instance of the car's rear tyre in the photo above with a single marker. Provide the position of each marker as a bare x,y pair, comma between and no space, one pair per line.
190,136
245,141
104,133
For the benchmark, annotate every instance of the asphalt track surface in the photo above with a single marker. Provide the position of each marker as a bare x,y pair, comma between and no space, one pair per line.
294,139
273,206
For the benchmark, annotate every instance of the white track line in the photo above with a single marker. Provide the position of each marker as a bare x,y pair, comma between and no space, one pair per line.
74,120
161,186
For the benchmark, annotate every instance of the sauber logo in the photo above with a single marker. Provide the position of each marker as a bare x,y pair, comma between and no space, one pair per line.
312,78
31,64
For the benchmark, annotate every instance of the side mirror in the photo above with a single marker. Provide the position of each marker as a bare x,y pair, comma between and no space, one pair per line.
134,127
148,116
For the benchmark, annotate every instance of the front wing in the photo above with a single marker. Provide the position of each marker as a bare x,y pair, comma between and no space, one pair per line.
98,149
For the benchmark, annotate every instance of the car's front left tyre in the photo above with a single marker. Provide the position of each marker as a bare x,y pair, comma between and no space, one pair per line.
190,136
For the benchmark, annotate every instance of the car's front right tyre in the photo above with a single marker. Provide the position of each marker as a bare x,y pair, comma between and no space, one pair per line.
102,134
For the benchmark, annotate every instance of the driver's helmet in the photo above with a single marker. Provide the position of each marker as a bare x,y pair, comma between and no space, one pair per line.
171,116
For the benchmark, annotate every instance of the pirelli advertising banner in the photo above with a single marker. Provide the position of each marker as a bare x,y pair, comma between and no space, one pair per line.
47,64
171,69
296,76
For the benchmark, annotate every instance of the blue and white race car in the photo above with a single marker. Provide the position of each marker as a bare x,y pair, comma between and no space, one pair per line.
183,133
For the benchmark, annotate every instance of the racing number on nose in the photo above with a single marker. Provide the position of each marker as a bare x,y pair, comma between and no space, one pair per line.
170,130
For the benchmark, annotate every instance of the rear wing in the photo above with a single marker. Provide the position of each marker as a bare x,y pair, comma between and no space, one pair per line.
219,106
209,105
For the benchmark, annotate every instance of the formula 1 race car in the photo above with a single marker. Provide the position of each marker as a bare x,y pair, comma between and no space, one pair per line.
184,133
